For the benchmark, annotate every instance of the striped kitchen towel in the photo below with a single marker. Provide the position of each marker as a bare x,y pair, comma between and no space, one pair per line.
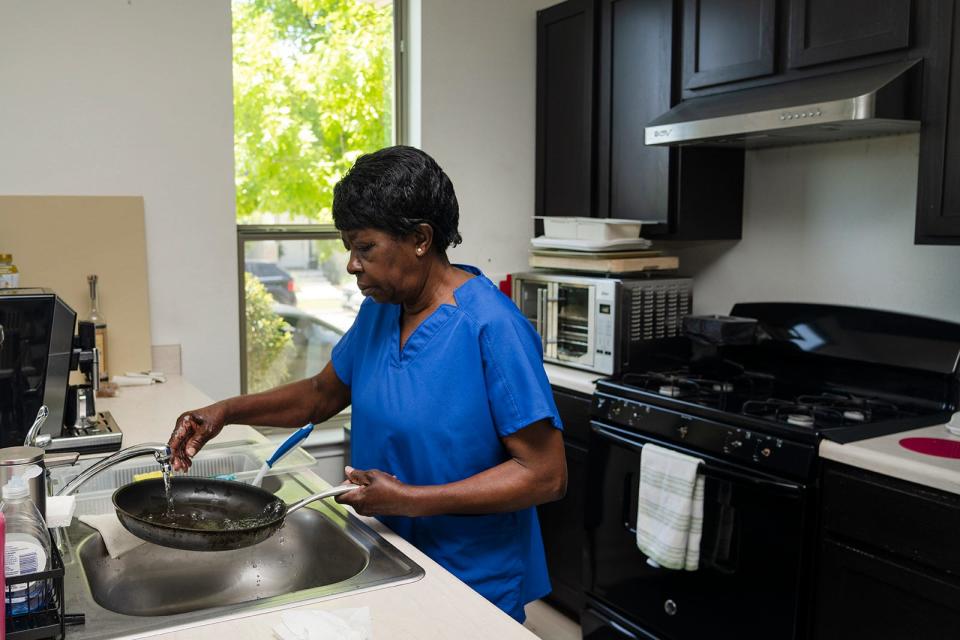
670,508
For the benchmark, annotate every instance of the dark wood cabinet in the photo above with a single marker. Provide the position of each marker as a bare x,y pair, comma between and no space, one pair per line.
727,40
636,58
561,522
938,189
889,562
691,193
862,595
565,109
606,68
729,45
817,37
822,31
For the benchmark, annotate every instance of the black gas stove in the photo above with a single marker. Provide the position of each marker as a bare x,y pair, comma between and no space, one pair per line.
751,395
808,372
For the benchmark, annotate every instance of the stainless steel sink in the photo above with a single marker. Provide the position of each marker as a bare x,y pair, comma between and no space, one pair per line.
321,551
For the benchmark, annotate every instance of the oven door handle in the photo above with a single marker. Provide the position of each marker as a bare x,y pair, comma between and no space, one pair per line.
707,470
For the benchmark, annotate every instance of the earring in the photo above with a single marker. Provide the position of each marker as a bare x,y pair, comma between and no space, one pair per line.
419,251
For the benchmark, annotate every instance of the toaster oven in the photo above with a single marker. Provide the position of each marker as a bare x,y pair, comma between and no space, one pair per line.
596,323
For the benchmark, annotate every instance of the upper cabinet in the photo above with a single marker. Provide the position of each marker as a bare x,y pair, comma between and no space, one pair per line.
823,31
565,113
690,194
607,68
737,44
938,189
727,40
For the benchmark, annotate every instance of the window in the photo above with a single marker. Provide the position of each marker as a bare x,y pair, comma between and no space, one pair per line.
314,88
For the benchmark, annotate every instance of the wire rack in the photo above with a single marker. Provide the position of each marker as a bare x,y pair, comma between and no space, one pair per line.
44,599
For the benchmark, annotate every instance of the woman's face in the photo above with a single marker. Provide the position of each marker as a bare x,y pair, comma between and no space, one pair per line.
387,268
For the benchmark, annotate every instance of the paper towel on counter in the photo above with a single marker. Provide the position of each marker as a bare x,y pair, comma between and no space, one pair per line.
115,537
313,624
60,511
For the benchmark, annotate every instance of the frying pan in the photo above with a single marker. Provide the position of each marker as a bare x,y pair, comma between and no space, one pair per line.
211,515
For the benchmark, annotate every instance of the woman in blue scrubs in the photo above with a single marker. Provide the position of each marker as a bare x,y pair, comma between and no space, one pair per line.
455,436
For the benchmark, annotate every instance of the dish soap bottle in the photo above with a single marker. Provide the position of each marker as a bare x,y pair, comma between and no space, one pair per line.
26,547
100,324
9,275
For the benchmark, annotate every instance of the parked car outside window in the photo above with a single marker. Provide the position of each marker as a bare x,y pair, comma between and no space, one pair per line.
277,281
313,339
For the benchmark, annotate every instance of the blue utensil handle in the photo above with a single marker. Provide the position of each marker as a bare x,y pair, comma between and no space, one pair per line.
298,436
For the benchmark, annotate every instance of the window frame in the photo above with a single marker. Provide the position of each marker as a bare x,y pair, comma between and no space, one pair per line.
254,232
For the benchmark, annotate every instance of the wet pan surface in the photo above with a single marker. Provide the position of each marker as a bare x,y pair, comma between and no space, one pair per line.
207,514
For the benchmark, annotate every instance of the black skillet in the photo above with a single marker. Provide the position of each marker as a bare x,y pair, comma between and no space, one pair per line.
209,515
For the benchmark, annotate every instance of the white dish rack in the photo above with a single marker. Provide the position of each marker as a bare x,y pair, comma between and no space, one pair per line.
239,462
591,229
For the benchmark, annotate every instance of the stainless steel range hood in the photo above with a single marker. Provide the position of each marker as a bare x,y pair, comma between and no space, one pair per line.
866,102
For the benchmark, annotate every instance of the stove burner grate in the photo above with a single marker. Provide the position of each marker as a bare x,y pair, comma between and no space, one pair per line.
709,391
823,410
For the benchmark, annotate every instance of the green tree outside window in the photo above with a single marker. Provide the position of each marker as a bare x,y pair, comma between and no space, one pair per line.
313,90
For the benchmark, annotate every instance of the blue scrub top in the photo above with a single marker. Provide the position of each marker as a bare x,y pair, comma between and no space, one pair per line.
435,412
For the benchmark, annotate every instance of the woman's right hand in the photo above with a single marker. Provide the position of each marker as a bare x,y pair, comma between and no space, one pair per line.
192,431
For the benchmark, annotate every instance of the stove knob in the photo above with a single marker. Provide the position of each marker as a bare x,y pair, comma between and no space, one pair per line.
670,607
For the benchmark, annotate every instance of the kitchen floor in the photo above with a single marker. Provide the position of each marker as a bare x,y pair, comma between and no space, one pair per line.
550,624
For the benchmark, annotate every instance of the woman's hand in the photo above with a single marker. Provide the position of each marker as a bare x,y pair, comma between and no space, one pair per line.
192,431
380,494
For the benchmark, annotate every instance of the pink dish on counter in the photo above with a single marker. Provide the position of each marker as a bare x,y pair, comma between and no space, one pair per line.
939,447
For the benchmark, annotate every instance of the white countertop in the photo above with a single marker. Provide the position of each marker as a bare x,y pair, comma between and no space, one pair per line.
885,455
572,379
437,606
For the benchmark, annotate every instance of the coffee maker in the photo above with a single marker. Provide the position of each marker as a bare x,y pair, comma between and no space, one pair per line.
38,350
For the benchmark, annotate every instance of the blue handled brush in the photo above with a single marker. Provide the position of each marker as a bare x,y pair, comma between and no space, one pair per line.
288,445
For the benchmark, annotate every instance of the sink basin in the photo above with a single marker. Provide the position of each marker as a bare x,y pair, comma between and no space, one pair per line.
322,551
309,551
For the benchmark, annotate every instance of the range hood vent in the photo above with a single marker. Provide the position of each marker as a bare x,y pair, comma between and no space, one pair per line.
873,101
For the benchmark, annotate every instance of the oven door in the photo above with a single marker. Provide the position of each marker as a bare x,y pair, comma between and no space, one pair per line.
752,552
572,308
533,298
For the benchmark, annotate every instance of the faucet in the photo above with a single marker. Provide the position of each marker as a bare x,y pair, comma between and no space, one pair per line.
159,451
33,438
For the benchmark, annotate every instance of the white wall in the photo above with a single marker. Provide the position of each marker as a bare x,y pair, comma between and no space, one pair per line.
830,223
477,118
134,97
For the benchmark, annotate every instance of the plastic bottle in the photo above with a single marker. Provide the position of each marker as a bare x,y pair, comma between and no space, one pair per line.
26,547
9,275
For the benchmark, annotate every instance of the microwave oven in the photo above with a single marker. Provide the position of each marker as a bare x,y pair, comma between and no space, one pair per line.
596,323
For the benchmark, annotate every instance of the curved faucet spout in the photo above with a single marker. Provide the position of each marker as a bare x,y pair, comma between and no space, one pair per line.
160,452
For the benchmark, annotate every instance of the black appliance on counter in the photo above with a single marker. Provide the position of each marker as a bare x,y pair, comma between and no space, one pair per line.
38,350
751,395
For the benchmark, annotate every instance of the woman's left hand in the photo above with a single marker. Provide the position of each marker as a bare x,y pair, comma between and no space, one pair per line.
380,494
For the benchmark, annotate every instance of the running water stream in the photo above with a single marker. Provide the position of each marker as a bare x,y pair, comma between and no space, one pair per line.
167,476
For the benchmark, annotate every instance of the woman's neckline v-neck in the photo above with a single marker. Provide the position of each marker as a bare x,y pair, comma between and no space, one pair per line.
428,327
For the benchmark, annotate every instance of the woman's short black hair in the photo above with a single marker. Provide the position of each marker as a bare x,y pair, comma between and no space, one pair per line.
395,189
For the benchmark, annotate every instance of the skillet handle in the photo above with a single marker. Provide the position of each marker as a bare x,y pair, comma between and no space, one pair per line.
329,493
